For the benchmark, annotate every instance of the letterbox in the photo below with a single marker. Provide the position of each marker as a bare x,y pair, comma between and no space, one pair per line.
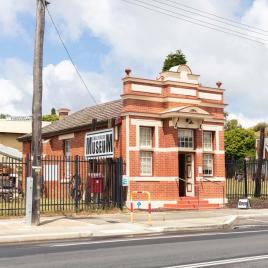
96,184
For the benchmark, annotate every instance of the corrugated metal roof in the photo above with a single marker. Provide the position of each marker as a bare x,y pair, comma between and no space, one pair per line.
83,118
10,152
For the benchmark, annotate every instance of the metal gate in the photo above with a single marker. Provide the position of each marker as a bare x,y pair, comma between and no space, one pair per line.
67,184
241,178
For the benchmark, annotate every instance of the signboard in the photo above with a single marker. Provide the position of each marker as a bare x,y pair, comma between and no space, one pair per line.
99,144
243,203
125,180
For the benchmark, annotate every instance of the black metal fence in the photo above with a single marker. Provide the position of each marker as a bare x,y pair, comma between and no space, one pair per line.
67,184
241,178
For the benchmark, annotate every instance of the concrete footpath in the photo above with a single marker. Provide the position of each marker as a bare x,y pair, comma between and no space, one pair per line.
118,224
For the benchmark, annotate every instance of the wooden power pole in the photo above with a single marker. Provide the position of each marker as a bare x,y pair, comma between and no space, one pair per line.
37,109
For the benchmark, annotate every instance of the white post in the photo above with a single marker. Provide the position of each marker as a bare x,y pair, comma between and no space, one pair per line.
29,200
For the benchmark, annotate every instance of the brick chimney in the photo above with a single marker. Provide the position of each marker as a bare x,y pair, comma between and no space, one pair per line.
63,112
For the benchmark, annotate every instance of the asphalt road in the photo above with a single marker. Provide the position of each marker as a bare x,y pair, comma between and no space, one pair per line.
238,248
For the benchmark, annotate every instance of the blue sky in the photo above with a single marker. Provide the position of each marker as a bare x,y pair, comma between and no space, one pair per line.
106,36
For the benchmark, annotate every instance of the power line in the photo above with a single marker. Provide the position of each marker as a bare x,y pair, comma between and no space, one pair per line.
217,16
69,56
198,20
241,26
230,32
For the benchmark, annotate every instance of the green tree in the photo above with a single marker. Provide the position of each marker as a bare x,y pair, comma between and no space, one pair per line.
3,116
53,111
50,117
232,124
239,143
174,59
260,125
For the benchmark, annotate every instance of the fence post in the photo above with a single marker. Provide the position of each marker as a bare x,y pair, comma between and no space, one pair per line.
76,184
245,178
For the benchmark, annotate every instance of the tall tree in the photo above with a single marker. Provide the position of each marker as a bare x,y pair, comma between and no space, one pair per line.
174,59
239,143
51,117
53,111
260,125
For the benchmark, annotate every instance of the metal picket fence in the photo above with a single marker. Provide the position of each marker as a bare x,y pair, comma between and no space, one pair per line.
67,184
241,177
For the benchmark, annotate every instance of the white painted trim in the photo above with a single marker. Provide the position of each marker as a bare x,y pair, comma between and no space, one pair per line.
214,120
212,128
147,89
210,96
216,152
183,91
66,136
154,204
212,179
216,200
147,123
142,178
173,99
162,150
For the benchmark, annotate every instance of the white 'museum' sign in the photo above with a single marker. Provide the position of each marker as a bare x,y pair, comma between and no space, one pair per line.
99,144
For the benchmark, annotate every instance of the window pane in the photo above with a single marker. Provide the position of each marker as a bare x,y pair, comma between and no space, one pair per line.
207,140
186,138
145,137
146,163
207,164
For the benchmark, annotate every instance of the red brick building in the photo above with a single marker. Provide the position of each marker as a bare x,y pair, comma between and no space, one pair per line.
169,132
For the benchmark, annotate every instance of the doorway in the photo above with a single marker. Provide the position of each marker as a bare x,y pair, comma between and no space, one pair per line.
186,174
182,182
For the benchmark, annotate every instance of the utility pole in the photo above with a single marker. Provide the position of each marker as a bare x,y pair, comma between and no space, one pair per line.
37,109
259,166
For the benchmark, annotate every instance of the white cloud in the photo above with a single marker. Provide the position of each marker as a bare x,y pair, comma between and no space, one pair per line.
62,87
140,39
245,121
9,13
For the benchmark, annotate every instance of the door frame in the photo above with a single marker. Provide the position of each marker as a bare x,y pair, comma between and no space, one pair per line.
189,177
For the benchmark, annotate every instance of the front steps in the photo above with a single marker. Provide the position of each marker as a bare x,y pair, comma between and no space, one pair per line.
191,203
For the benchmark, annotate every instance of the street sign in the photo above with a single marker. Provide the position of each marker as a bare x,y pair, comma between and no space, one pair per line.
243,203
125,180
139,204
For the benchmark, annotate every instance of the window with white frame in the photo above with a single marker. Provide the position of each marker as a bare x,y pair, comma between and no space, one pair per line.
146,160
186,138
207,164
145,137
207,141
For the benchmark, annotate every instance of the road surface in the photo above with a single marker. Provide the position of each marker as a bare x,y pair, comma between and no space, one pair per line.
236,248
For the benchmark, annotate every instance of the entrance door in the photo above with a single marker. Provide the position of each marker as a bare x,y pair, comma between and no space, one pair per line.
186,174
182,181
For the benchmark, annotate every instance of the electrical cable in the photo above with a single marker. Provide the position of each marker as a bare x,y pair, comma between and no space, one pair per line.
230,32
198,20
246,28
217,16
69,55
